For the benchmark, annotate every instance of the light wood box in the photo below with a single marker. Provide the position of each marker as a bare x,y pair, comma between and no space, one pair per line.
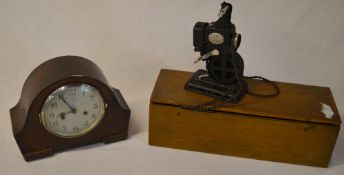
289,128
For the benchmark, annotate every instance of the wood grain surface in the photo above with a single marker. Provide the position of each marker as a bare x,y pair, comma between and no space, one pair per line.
295,102
288,128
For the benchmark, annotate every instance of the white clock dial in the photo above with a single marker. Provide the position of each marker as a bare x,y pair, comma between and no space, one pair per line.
72,110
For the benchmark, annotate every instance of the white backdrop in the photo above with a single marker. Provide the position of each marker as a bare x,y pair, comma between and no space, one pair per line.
285,40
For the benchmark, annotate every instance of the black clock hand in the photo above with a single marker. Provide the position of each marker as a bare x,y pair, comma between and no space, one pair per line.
63,114
73,110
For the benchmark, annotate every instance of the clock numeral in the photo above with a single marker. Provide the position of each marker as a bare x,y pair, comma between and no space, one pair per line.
56,123
64,127
86,123
53,104
75,129
95,106
72,92
51,115
92,97
60,96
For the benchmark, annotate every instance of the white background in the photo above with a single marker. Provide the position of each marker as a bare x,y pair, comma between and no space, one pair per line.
285,40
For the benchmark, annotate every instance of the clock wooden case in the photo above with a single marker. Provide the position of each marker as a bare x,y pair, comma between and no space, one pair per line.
33,138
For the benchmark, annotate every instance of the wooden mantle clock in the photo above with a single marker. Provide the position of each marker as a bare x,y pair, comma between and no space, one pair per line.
66,102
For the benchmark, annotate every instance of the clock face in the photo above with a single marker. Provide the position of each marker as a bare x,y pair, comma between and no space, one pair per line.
72,110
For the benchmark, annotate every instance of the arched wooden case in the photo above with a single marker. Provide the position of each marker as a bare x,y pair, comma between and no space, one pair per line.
33,139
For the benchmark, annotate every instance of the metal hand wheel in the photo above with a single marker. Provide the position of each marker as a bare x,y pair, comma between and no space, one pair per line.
224,69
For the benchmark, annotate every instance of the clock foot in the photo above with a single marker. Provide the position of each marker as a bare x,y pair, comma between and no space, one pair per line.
115,137
38,154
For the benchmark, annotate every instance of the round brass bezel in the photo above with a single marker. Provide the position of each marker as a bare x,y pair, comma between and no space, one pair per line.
102,106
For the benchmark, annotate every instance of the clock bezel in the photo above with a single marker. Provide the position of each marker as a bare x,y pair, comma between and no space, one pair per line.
103,107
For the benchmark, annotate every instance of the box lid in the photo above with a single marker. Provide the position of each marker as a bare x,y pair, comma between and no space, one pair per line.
295,102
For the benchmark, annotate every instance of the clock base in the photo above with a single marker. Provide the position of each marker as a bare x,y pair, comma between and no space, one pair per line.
49,151
115,138
38,154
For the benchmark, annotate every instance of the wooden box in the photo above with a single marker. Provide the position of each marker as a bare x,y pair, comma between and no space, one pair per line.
295,127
